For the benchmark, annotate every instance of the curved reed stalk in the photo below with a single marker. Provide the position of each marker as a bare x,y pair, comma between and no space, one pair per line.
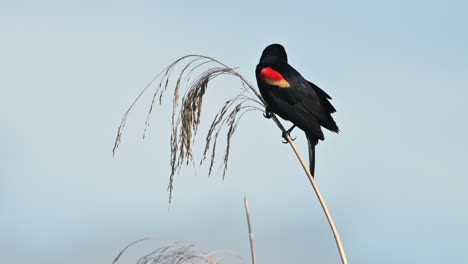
186,118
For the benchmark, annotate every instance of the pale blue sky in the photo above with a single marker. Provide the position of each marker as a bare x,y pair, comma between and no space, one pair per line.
395,178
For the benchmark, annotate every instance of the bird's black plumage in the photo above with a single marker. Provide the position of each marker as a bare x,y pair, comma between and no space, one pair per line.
294,98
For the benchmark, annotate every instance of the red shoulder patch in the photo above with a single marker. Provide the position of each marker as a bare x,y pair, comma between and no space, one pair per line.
272,77
270,74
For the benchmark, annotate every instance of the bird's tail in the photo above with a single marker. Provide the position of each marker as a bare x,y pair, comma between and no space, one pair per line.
312,142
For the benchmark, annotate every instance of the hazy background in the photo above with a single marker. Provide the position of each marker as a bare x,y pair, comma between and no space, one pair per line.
395,178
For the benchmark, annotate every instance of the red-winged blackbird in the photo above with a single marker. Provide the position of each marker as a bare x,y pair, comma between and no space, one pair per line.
294,98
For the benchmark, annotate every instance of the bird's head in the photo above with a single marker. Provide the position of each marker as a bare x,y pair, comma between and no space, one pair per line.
274,51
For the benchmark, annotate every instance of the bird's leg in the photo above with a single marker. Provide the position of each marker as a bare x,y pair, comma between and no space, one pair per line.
286,133
267,113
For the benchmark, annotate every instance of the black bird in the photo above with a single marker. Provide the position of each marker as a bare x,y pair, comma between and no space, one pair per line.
294,98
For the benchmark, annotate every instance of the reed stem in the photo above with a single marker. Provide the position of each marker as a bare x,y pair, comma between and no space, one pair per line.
251,239
322,201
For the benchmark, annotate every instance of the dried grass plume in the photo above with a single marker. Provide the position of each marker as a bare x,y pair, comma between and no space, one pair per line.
188,92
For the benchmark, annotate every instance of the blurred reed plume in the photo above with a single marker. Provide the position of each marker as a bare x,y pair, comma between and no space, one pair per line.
179,253
184,252
186,110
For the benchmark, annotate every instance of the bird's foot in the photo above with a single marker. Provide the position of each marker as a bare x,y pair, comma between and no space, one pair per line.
286,141
267,113
286,134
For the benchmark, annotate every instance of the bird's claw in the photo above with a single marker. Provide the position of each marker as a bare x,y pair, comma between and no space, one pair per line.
287,133
267,114
285,141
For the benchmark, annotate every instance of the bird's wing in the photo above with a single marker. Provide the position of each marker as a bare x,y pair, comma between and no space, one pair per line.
301,117
314,99
310,103
324,98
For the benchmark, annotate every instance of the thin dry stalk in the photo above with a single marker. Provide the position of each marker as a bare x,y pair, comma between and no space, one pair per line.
251,238
186,119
